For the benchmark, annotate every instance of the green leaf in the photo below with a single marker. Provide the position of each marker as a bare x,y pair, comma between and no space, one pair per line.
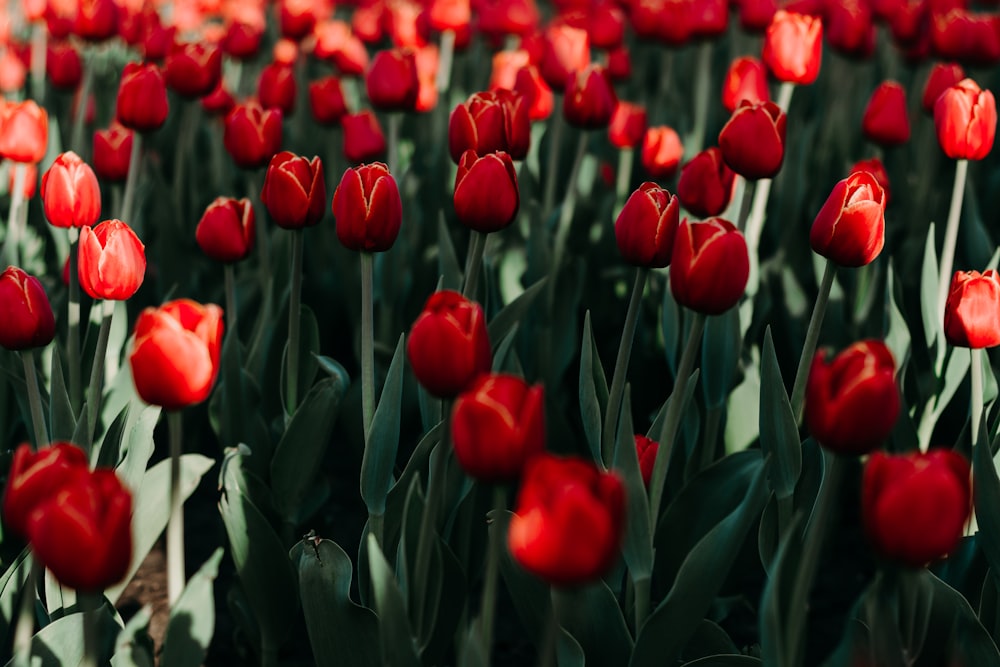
380,453
134,647
137,444
897,337
300,450
720,356
398,648
529,594
504,353
928,291
340,631
150,509
512,313
986,492
62,421
593,386
448,266
970,643
743,408
192,618
308,349
58,644
724,661
107,452
637,545
672,329
592,616
11,584
709,640
779,433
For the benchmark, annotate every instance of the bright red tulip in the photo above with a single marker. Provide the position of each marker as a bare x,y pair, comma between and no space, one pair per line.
874,167
662,151
793,47
367,208
628,125
753,140
142,98
63,66
24,132
326,100
590,99
35,477
392,82
194,69
850,228
294,190
71,195
276,88
363,137
490,121
942,77
746,79
646,226
966,120
567,51
710,266
448,346
227,229
25,311
487,197
646,450
706,184
886,120
972,311
112,261
112,152
252,134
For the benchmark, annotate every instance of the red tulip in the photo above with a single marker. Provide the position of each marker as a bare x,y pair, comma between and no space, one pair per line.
850,228
367,208
486,191
710,266
63,66
392,82
112,152
670,22
646,450
226,230
448,346
915,506
498,18
972,311
35,477
24,132
219,102
175,358
297,18
96,20
628,125
590,99
966,120
194,69
242,40
606,25
112,261
849,27
661,151
886,120
566,52
276,88
71,195
294,190
852,402
569,520
942,77
252,134
793,46
451,15
706,184
142,98
530,84
326,100
746,79
646,226
25,311
490,121
363,137
958,34
756,15
874,167
753,141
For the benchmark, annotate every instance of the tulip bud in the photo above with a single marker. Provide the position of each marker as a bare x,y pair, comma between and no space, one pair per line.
966,120
852,402
661,151
242,40
326,100
850,228
530,85
849,28
24,132
252,134
96,20
498,18
490,121
486,192
959,34
915,506
367,208
506,65
566,52
746,79
886,121
874,167
756,15
793,47
590,100
112,261
294,190
706,184
569,520
449,346
646,450
363,137
646,226
219,102
753,141
71,195
35,477
710,266
628,125
112,152
942,77
276,88
972,311
226,230
157,39
296,19
451,15
25,311
175,357
142,98
83,533
194,69
63,66
392,81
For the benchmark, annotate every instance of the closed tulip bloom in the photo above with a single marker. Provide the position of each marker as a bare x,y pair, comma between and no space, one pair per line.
112,152
252,134
915,506
852,401
448,346
710,266
498,18
227,229
83,532
959,34
566,51
590,99
367,208
706,184
753,140
294,190
71,195
276,88
606,25
662,151
972,311
530,84
326,100
850,228
96,20
942,77
175,357
219,102
849,27
242,40
363,137
24,132
628,125
756,15
142,98
297,18
746,79
966,120
793,47
451,15
63,66
886,120
497,425
194,69
646,450
669,22
35,477
569,520
487,197
112,261
490,121
646,226
874,167
505,67
392,82
25,311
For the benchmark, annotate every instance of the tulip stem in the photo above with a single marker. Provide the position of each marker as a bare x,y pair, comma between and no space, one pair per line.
673,417
613,412
977,393
444,63
97,371
556,132
785,91
263,233
80,113
91,604
815,532
473,263
39,36
745,202
702,94
428,521
951,237
12,247
130,180
175,525
73,323
25,628
182,150
812,338
568,206
34,399
395,120
489,601
625,158
367,344
231,311
642,586
294,305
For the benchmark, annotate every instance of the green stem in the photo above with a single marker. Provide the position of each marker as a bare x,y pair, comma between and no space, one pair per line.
977,393
784,100
395,120
702,95
25,628
73,324
254,186
551,175
428,523
626,157
815,533
91,605
128,201
951,237
39,37
812,337
268,652
175,524
612,414
568,206
376,526
294,305
231,310
473,263
184,149
489,601
785,510
80,114
673,417
94,390
547,651
34,399
12,247
745,202
367,343
713,416
447,52
643,586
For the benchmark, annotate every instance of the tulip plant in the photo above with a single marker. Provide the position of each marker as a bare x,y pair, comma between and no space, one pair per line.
598,333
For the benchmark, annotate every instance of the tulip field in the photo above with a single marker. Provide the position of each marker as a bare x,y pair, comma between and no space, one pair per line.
617,333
